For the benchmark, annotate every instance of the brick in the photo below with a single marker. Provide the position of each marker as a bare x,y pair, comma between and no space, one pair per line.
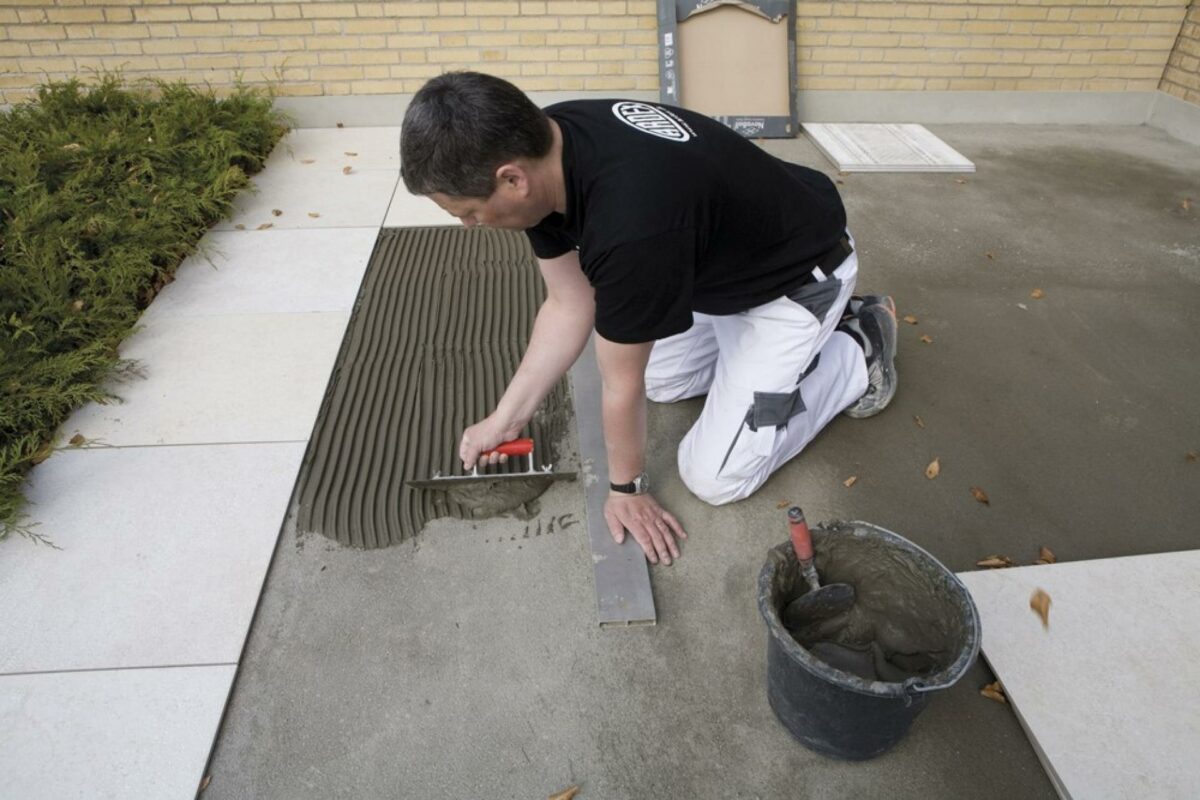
34,32
328,11
572,7
454,55
408,9
118,15
532,39
493,39
13,49
490,9
203,28
121,31
612,23
369,26
77,15
534,24
244,12
452,24
172,45
161,14
283,11
378,87
875,40
533,9
203,14
336,73
405,41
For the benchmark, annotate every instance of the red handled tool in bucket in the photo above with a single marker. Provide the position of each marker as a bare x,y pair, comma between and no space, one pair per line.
819,602
516,447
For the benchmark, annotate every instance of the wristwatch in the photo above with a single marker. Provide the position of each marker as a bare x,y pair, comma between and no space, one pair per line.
639,485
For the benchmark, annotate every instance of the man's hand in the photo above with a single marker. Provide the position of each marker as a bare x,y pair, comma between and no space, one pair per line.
486,435
654,528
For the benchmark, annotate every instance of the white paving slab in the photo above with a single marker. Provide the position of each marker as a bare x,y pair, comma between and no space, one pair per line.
360,147
236,378
357,200
257,272
164,551
1108,694
413,211
866,147
110,734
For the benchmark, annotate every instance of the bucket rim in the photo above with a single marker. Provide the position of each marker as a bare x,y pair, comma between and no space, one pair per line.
908,689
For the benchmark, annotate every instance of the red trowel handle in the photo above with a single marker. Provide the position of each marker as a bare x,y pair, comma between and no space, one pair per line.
517,447
801,537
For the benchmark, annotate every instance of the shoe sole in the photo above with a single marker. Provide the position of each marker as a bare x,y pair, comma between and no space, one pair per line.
888,365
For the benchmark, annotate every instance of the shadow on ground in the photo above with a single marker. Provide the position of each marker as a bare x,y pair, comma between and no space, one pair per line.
468,665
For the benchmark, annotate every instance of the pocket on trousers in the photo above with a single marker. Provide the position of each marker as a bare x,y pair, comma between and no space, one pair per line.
817,297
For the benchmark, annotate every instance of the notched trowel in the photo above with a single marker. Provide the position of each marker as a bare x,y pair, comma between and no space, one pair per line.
517,447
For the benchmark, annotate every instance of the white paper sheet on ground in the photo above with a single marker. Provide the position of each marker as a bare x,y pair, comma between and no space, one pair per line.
864,147
1108,693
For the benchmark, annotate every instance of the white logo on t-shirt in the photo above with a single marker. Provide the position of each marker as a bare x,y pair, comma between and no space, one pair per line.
653,120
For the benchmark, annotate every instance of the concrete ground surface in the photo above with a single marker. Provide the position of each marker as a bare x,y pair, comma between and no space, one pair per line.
467,663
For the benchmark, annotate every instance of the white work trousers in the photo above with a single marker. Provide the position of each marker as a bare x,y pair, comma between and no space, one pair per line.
768,392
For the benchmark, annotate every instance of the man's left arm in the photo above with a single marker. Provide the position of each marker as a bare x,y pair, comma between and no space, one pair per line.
623,373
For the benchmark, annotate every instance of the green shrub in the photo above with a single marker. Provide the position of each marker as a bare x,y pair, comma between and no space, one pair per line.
104,189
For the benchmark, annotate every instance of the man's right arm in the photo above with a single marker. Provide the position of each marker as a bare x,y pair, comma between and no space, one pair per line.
560,332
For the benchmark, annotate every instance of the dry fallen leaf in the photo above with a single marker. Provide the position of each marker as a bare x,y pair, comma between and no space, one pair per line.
994,562
960,180
840,182
853,479
308,161
910,319
1037,294
204,783
927,339
783,504
347,170
77,440
277,212
980,495
1046,556
1040,603
565,794
1191,456
313,214
239,227
41,455
264,226
351,154
920,422
1186,205
340,125
77,305
933,469
989,255
994,691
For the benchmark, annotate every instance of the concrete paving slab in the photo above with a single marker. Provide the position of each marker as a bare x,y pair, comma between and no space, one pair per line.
272,271
480,663
411,211
237,378
111,734
358,147
1107,693
190,570
355,200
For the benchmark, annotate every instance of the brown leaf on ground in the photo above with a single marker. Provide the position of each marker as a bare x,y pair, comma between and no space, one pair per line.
1191,456
239,227
277,212
994,562
990,256
77,306
308,161
351,154
73,146
204,783
340,125
994,691
960,181
41,455
980,495
934,468
840,182
264,226
783,504
1037,294
347,170
77,440
920,422
1185,204
927,339
1040,603
565,794
853,479
1046,556
313,214
910,319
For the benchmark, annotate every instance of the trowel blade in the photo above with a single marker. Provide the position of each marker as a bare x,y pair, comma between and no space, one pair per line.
450,481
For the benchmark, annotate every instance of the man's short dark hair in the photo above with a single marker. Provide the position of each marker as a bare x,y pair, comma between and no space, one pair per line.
459,129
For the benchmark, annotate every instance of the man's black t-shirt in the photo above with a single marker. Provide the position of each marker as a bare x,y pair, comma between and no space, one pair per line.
672,212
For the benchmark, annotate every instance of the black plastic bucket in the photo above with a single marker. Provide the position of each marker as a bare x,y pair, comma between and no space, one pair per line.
838,713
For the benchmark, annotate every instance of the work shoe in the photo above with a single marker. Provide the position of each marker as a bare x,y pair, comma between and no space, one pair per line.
874,325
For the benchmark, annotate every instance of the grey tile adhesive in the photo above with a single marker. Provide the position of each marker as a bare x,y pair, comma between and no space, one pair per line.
439,327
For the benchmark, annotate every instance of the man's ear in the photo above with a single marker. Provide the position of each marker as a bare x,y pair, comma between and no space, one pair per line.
514,177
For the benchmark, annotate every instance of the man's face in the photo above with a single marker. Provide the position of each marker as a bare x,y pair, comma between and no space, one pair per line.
508,207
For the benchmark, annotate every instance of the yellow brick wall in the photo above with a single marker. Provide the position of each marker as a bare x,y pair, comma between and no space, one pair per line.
1182,75
313,47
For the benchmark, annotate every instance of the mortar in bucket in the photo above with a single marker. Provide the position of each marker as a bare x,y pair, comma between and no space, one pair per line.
913,623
